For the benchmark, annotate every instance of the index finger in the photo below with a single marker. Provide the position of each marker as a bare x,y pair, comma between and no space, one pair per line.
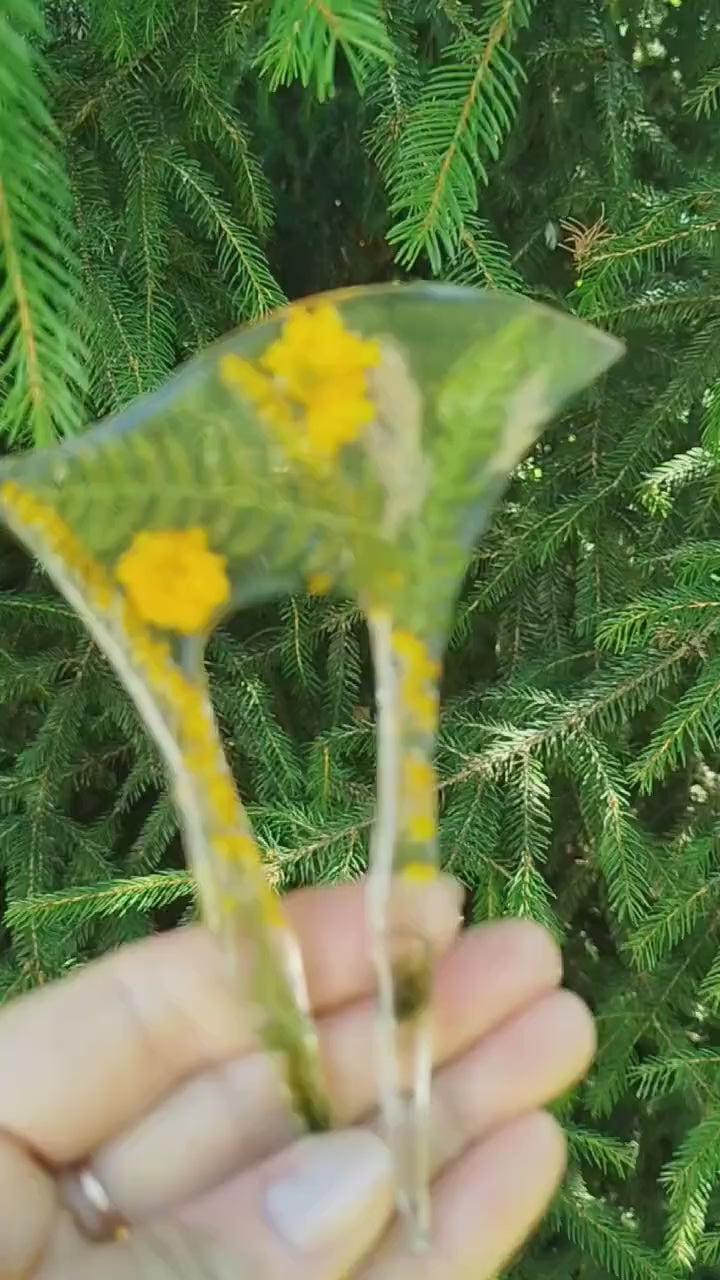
82,1060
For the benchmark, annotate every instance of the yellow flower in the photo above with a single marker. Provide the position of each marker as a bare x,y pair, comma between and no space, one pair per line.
419,872
415,655
419,783
240,375
238,848
311,384
336,415
421,827
418,778
319,584
420,672
173,580
315,348
222,798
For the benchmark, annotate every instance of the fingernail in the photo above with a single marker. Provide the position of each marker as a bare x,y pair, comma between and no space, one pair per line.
459,895
433,909
445,910
336,1180
456,891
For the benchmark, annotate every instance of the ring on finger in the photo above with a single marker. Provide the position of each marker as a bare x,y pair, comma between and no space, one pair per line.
85,1198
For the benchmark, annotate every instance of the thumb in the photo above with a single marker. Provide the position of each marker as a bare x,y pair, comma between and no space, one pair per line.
313,1212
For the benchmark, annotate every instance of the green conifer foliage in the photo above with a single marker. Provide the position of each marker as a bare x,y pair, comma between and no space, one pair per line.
206,160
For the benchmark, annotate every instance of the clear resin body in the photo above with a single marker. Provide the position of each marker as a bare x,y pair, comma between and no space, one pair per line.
356,442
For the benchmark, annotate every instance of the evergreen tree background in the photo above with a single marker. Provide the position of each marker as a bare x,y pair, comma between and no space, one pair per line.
168,171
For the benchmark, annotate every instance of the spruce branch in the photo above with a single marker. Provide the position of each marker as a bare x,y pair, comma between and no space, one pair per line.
42,381
240,259
80,906
462,117
704,98
303,38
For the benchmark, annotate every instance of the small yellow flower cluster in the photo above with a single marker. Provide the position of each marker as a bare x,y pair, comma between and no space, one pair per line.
173,580
185,701
202,756
418,684
419,872
319,584
60,540
418,798
311,384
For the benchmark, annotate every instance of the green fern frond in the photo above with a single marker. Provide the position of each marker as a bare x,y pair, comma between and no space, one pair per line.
708,1254
345,667
159,832
146,221
665,305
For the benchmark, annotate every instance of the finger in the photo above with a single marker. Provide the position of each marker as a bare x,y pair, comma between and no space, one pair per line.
522,1066
317,1211
484,1206
312,1212
130,1028
235,1114
25,1223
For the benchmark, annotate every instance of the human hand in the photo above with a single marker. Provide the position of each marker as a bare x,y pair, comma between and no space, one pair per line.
143,1065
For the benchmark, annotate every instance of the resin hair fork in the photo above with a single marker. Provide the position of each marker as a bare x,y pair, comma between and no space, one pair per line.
355,442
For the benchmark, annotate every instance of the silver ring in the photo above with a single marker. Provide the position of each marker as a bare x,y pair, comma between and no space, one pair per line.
89,1205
